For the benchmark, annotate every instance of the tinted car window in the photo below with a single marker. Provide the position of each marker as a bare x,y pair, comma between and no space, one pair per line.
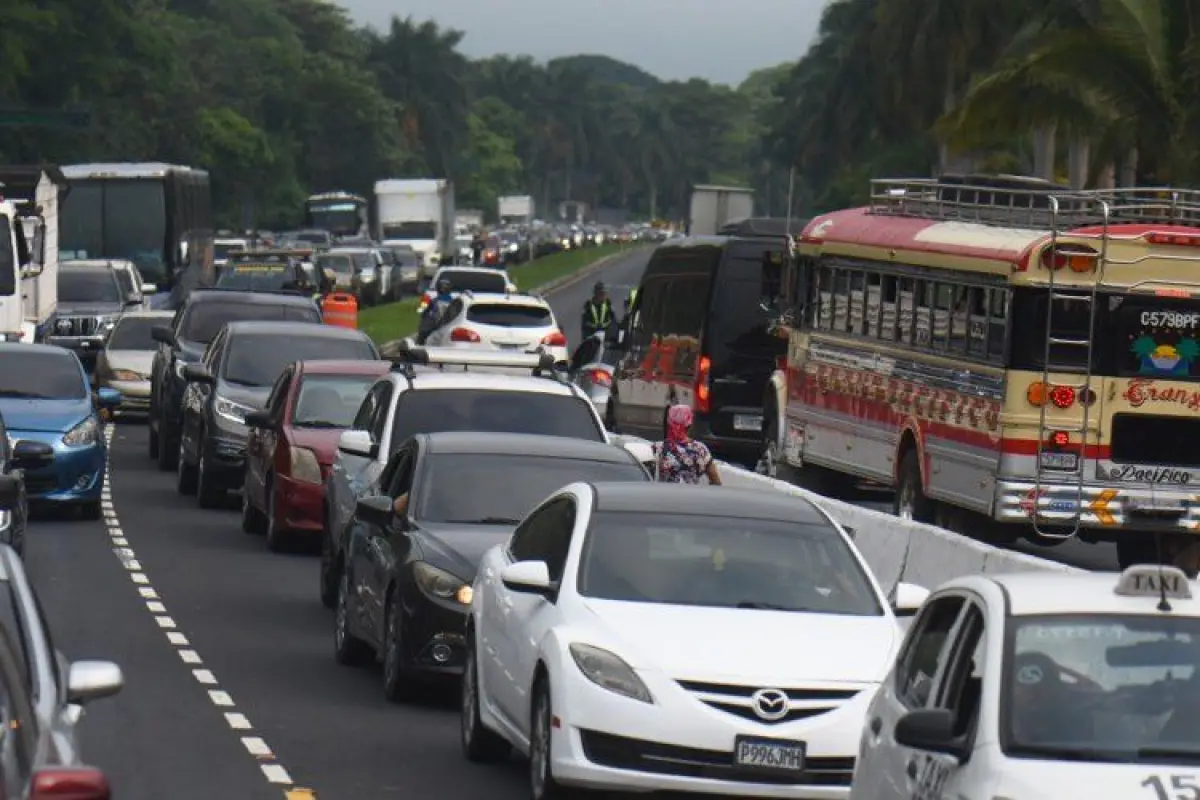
41,374
722,562
509,316
204,320
433,410
258,359
88,286
472,281
505,487
262,277
133,333
739,323
330,401
341,264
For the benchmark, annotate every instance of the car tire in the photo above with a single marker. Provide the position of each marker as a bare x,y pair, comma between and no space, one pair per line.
478,743
398,683
152,443
168,456
328,573
90,510
277,539
253,522
348,649
185,473
207,495
542,785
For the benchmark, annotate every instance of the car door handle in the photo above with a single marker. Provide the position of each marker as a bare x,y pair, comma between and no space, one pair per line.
876,726
911,769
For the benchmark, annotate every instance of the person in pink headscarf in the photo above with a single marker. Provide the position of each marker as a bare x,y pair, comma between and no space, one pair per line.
680,458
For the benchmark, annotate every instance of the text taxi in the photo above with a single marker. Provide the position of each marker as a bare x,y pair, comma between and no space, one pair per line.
1042,685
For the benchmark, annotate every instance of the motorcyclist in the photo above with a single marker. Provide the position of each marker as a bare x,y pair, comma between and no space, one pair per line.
433,311
597,312
478,244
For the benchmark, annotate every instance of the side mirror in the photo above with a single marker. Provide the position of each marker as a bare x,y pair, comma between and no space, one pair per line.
528,577
92,680
357,443
907,599
149,289
375,510
10,492
163,334
31,455
930,730
197,373
260,419
108,398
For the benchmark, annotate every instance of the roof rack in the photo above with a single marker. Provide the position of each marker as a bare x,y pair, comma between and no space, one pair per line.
1016,201
408,352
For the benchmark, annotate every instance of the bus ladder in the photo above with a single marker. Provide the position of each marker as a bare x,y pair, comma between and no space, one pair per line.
1043,525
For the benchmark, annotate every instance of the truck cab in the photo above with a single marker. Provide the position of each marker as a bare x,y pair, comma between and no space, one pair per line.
22,255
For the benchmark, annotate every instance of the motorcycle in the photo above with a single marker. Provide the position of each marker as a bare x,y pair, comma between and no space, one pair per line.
592,366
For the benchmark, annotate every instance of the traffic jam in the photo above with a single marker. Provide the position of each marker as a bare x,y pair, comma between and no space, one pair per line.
542,524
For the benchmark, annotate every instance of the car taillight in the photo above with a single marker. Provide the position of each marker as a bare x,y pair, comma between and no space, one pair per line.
600,377
1059,439
555,339
69,783
703,402
463,335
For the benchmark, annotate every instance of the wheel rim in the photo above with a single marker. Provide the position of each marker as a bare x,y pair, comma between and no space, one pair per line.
391,659
468,698
341,625
539,748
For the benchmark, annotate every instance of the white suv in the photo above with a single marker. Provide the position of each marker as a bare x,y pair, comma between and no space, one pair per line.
519,323
440,389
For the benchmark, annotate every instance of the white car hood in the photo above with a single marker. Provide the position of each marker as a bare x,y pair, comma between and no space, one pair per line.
748,646
1035,778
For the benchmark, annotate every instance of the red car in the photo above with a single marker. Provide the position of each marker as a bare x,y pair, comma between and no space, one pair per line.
293,442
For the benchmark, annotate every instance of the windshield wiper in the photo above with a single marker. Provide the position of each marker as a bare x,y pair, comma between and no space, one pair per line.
22,394
485,521
316,423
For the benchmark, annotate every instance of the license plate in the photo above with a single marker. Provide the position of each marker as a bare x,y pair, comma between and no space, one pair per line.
774,755
512,347
1060,460
747,422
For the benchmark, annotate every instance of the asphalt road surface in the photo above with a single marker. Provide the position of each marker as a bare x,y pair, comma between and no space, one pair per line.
232,691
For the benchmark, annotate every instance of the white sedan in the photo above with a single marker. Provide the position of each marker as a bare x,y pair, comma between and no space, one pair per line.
506,322
660,637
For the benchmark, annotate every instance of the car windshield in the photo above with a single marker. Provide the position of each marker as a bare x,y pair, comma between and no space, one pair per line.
204,320
258,359
256,277
509,315
133,333
330,401
492,411
723,562
1118,689
40,375
97,285
504,488
478,281
339,264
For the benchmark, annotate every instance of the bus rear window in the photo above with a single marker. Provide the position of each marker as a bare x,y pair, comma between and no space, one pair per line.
1158,339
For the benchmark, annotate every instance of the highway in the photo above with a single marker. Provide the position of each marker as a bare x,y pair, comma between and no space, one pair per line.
232,690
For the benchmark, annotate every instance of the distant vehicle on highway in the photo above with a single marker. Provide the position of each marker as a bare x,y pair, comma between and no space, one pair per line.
481,280
519,323
90,299
292,444
653,637
406,588
127,360
233,379
266,271
45,397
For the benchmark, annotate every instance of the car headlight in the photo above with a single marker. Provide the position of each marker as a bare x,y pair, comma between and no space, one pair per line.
440,583
107,323
305,466
83,434
234,412
366,276
609,671
125,375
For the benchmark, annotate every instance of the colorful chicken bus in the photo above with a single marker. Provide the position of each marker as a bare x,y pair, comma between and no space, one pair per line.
1014,358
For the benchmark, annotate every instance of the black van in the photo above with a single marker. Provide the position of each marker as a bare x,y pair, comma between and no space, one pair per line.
697,334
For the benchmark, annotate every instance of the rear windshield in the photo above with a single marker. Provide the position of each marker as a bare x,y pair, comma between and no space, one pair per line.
97,285
262,277
258,359
509,316
434,410
739,324
133,333
462,280
203,321
40,374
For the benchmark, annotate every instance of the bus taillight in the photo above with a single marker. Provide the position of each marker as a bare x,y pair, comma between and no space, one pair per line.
1059,439
1038,394
1076,257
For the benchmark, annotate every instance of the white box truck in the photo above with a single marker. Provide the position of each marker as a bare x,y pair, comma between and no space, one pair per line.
29,201
418,212
713,206
516,209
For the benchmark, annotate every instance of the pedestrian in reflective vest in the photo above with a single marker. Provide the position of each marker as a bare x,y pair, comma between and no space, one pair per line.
597,312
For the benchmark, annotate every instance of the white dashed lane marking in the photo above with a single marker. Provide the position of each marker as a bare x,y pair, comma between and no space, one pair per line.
272,770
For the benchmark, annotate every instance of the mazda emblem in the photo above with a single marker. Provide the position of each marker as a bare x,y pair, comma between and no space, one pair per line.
770,704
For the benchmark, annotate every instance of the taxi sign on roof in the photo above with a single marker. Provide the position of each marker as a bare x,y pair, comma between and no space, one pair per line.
1150,580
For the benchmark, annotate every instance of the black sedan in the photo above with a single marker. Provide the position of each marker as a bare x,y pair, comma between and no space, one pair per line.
412,554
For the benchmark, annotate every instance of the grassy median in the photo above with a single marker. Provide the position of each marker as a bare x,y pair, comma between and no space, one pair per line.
397,320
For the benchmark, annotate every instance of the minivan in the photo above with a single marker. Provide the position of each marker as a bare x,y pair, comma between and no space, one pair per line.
698,332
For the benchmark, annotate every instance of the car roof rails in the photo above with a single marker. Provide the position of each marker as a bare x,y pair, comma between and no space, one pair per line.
408,353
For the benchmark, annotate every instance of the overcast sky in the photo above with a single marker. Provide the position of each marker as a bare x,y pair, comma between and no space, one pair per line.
673,39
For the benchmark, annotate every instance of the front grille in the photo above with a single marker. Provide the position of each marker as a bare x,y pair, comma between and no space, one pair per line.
76,326
619,752
40,483
738,700
1156,440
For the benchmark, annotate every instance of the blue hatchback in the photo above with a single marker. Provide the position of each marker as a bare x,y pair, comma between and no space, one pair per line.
45,397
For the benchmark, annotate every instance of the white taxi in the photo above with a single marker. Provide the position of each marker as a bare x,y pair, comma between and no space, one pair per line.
519,323
1042,685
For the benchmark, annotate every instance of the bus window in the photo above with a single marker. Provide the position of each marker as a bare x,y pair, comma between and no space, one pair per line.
907,317
81,221
923,302
958,318
978,322
887,323
874,300
824,305
857,284
943,295
997,323
841,300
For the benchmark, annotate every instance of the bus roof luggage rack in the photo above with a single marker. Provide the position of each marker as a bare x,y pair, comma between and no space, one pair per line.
762,226
1018,201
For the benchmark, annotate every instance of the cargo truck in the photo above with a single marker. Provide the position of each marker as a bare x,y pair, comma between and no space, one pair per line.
419,213
714,206
29,202
516,209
